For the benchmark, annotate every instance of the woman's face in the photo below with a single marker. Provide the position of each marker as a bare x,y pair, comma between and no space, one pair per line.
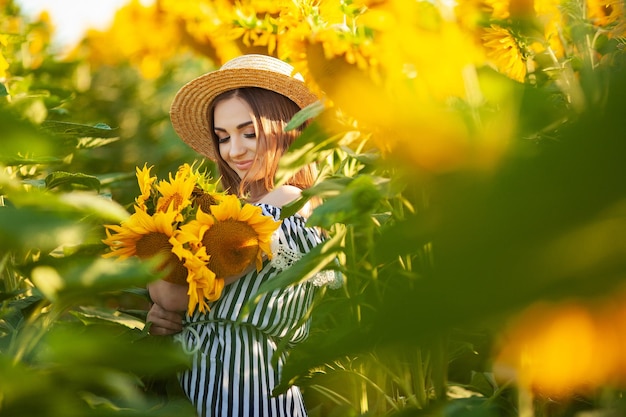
236,133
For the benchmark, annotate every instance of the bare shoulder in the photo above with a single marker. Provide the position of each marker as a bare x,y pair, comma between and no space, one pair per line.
281,196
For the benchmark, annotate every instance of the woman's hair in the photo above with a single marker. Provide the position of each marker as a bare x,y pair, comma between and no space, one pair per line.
272,112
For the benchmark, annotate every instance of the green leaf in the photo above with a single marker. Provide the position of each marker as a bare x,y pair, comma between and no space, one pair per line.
37,228
355,203
115,347
308,148
22,141
84,278
74,203
78,131
31,108
68,180
309,112
91,143
338,209
99,315
483,383
404,237
94,205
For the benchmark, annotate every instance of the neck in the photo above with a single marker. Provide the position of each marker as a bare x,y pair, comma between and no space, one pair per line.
256,191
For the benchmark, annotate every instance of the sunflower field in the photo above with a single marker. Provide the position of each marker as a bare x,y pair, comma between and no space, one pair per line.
472,169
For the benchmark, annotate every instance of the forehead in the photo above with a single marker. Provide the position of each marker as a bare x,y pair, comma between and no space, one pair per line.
232,112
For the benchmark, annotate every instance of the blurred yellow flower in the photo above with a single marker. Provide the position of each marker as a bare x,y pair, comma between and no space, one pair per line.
485,19
38,40
4,64
401,93
145,36
506,52
566,348
605,13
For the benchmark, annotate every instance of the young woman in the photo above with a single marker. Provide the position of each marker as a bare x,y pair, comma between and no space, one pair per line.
236,116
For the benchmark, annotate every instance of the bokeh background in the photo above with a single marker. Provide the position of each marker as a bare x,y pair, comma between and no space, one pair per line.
471,160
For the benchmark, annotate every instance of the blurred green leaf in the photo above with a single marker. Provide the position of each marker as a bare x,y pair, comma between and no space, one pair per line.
98,315
355,203
307,149
22,139
68,181
309,112
90,143
104,346
38,228
31,108
78,131
76,204
83,278
94,205
20,385
548,224
91,371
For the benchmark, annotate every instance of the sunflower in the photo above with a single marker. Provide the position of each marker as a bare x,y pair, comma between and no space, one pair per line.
147,237
203,284
176,193
506,52
235,236
145,186
204,200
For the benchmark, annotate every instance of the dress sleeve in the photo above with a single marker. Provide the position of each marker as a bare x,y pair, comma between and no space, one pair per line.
291,242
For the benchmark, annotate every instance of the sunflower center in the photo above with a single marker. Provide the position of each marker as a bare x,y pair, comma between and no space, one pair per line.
232,245
205,201
157,244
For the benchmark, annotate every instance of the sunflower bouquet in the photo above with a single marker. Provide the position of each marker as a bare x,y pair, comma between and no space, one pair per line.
199,235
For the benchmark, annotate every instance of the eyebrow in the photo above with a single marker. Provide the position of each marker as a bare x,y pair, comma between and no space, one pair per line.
239,126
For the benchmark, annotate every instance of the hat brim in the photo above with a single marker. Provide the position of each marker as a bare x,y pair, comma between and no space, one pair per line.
189,112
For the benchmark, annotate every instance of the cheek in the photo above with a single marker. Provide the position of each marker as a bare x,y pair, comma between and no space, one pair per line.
222,149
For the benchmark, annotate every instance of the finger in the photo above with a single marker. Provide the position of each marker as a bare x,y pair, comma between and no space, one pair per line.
156,330
164,322
164,327
157,312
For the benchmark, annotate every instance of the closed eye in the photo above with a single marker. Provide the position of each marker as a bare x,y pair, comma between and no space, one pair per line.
222,139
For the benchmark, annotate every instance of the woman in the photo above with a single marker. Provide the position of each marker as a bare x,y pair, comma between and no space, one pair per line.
236,116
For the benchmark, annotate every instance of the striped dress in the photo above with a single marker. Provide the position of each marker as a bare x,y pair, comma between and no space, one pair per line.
233,367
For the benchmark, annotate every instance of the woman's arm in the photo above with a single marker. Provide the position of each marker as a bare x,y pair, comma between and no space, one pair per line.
170,303
233,278
172,297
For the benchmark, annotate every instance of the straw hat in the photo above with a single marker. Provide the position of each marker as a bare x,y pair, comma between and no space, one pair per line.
190,109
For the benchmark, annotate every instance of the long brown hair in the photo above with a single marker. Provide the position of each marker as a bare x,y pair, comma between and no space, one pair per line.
272,112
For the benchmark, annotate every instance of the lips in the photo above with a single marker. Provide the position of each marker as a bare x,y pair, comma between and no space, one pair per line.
243,165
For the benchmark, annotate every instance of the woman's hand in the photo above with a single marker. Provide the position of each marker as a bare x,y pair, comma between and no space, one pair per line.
170,304
164,322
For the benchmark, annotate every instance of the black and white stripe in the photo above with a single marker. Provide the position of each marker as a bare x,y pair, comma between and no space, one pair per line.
234,367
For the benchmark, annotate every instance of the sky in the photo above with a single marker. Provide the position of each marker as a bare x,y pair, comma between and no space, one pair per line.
72,17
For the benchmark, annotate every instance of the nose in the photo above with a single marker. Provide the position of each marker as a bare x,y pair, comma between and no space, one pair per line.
237,146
